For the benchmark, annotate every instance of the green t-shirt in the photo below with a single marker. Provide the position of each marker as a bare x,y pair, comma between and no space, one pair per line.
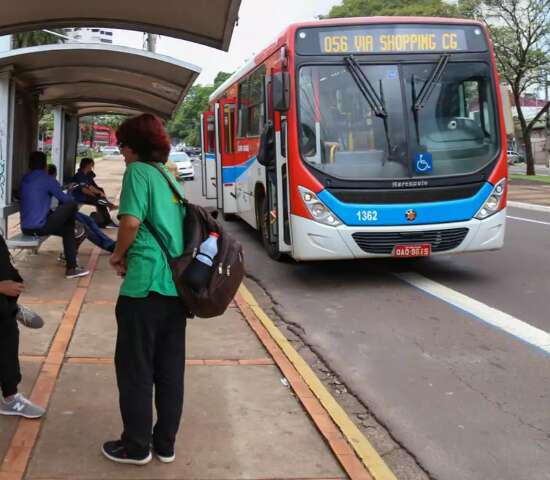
147,195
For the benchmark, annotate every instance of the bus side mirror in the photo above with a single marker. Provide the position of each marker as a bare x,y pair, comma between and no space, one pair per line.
266,152
280,91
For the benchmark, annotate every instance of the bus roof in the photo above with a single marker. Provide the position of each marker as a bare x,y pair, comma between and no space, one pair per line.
285,38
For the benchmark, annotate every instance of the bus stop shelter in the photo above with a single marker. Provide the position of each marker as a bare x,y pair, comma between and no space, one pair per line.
84,79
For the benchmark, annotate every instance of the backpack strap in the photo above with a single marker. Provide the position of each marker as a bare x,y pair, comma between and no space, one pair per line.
156,235
174,189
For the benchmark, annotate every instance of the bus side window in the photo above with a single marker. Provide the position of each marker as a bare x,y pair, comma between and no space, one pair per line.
243,109
256,107
211,135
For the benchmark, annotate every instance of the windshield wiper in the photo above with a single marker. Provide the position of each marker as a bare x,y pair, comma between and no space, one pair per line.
365,87
429,85
375,101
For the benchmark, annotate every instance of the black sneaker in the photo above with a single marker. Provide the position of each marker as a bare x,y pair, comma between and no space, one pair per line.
76,272
116,452
165,456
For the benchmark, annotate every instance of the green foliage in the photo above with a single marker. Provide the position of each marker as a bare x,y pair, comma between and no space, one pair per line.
186,123
420,8
35,38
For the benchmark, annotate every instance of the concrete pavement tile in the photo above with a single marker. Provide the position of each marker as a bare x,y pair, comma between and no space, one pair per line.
239,422
226,337
8,425
95,333
37,342
105,286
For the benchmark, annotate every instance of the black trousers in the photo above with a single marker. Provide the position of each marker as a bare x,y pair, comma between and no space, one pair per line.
150,351
61,223
10,372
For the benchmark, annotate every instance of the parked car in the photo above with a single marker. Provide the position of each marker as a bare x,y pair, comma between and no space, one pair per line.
110,150
514,157
186,171
82,150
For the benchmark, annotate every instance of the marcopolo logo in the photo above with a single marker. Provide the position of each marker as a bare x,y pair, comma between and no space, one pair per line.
410,215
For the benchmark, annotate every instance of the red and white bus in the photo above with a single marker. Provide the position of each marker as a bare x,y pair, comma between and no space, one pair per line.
363,137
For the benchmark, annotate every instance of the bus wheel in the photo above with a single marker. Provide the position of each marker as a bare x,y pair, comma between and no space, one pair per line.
272,250
228,217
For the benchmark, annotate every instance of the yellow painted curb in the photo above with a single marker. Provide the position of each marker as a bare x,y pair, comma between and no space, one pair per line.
366,452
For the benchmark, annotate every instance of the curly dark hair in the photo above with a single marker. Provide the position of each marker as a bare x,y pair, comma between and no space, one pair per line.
146,136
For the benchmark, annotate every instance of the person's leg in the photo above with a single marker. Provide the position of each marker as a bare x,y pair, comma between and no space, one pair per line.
168,376
94,233
137,320
61,223
10,373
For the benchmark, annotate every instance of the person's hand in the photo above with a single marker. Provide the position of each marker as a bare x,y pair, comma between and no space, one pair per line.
11,288
119,264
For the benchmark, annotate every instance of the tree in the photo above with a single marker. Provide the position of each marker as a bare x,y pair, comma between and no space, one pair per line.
520,30
35,38
186,123
421,8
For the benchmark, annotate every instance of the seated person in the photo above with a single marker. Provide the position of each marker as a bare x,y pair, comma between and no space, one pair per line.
93,232
36,192
89,193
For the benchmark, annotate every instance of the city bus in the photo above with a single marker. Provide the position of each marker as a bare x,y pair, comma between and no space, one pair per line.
363,137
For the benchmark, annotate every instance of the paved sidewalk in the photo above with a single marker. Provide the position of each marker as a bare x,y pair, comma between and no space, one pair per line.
527,191
241,420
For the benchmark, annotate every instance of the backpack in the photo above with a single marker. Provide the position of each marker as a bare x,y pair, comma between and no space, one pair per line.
228,268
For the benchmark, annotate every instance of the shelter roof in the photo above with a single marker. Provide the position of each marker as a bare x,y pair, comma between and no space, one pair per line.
98,78
210,23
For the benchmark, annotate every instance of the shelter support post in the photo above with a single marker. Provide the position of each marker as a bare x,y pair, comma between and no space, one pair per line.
7,99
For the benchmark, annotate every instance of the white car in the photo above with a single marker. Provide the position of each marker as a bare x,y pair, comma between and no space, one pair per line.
110,150
183,163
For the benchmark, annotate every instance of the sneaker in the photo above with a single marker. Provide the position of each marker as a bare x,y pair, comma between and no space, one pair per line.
62,259
25,316
76,272
22,407
116,452
165,457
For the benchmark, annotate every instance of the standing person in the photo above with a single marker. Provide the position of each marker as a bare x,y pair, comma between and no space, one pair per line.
90,193
150,347
37,189
11,286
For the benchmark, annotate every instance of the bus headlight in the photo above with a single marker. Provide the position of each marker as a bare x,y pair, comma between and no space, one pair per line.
318,210
492,204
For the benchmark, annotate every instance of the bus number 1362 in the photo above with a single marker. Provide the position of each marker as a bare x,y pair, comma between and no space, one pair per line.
367,215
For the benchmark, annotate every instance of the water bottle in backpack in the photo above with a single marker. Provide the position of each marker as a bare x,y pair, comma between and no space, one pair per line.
199,270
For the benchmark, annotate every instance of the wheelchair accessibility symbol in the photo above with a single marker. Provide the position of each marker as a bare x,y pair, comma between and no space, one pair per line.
423,163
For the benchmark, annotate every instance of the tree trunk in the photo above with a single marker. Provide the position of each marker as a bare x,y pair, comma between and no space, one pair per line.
526,136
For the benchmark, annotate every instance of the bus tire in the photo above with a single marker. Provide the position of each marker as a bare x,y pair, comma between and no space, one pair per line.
272,250
229,217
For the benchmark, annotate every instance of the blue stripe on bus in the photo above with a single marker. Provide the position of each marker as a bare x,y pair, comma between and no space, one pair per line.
426,213
210,156
233,173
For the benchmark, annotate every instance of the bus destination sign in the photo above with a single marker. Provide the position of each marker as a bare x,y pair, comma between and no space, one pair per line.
389,39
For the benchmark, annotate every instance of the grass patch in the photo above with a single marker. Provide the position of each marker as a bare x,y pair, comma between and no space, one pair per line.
534,178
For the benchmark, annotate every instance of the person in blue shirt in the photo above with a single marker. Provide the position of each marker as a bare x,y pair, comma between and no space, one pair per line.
37,189
89,192
93,232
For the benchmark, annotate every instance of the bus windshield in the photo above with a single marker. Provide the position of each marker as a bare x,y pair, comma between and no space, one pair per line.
454,125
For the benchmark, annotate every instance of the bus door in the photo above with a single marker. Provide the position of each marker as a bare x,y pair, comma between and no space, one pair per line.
208,167
228,157
277,175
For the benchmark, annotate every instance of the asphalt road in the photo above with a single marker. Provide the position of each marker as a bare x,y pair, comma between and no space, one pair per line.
466,398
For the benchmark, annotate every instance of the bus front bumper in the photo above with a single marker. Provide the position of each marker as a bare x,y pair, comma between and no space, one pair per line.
314,241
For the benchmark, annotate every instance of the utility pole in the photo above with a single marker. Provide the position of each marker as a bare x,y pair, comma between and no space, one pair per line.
151,40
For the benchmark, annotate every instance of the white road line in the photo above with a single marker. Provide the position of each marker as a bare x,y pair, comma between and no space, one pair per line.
511,325
528,220
529,206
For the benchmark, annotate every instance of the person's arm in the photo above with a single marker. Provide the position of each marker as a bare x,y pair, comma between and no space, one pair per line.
55,190
11,288
133,209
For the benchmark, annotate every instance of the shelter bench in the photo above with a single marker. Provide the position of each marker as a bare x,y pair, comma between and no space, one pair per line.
23,242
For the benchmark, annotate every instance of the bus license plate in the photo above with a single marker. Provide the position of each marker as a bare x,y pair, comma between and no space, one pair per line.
422,250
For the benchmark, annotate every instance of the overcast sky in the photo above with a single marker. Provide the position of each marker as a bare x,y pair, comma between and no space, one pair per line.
260,21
